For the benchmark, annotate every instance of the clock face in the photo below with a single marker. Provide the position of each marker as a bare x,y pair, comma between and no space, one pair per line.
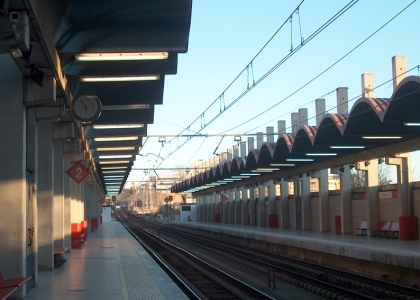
86,108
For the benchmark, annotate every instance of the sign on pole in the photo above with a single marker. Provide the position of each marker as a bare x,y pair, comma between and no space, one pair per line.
78,172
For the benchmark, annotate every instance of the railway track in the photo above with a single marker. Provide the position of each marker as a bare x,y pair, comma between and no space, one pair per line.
324,281
198,279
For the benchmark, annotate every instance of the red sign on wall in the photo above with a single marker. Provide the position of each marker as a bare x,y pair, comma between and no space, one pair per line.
102,200
78,172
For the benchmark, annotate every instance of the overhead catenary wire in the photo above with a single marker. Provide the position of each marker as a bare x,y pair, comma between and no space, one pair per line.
324,71
304,42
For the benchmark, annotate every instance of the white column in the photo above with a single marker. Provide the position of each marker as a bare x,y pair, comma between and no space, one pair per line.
306,203
13,236
283,208
261,214
324,210
238,205
45,197
231,207
372,197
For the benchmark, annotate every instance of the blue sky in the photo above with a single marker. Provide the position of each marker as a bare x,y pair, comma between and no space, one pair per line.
226,35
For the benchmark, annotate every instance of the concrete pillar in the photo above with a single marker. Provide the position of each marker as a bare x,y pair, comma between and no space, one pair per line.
303,116
238,204
404,182
225,207
58,174
272,197
294,205
368,85
372,191
324,210
270,134
243,149
399,69
345,199
245,206
229,154
231,207
319,110
13,236
261,210
306,202
281,127
45,196
252,211
342,100
210,208
283,209
67,182
235,151
260,140
295,122
250,144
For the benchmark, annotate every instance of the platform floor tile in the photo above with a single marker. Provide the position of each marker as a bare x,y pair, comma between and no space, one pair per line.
110,266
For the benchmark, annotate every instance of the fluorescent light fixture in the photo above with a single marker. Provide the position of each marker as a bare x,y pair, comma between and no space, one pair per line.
121,56
117,126
249,174
114,162
125,107
282,165
347,147
268,169
225,180
262,171
120,78
411,124
115,156
116,139
113,172
112,187
299,159
115,149
112,168
113,179
381,137
241,176
113,176
233,179
321,154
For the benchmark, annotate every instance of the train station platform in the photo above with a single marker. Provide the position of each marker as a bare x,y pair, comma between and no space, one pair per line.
111,265
392,252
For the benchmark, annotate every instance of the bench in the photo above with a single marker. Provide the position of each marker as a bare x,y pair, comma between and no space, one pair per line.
363,228
13,282
7,292
394,229
381,228
59,256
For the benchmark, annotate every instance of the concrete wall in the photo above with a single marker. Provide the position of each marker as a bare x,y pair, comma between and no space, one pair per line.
359,208
389,209
335,209
315,222
416,206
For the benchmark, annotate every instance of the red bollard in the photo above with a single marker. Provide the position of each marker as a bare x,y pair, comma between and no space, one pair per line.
76,236
85,226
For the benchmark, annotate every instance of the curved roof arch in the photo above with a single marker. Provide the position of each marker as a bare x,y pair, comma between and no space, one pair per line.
405,105
283,146
265,155
251,160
